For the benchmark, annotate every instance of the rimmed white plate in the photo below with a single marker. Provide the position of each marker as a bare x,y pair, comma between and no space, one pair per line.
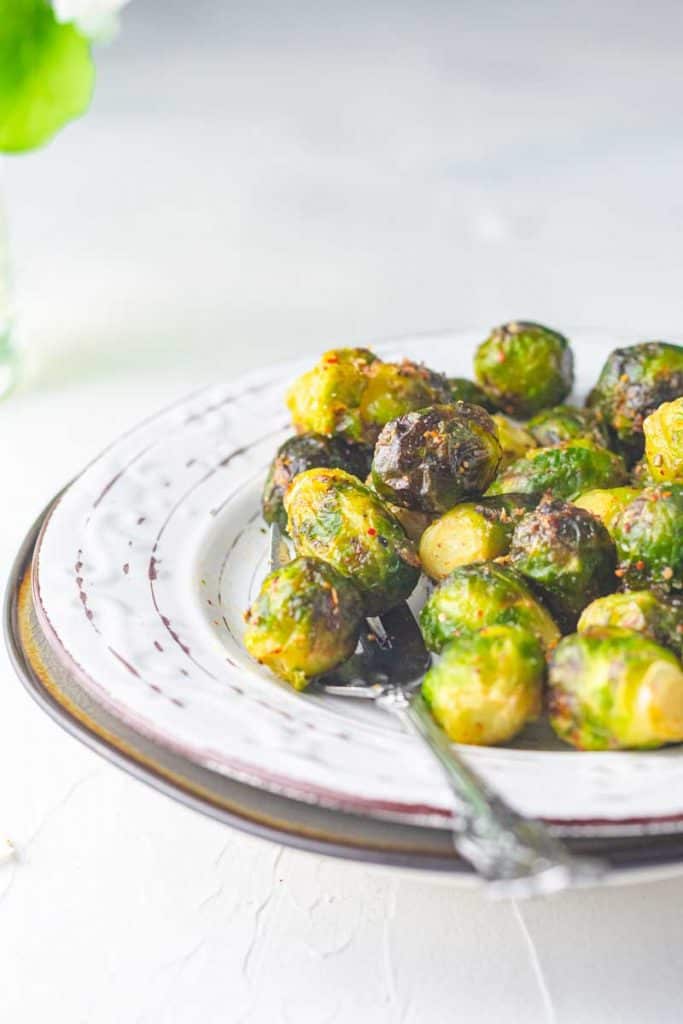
143,571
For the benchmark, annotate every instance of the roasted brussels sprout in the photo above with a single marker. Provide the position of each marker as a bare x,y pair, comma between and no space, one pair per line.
515,441
305,621
649,538
486,685
614,689
430,460
306,451
659,617
333,516
479,595
524,367
607,502
565,423
464,390
664,442
633,382
567,555
397,388
566,470
472,532
326,400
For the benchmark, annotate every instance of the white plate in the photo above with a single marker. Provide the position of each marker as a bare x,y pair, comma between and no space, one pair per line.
145,568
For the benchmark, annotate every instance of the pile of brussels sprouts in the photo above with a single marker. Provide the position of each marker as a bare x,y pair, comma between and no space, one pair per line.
553,534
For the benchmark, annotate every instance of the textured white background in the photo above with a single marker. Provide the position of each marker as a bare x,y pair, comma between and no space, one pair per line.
254,181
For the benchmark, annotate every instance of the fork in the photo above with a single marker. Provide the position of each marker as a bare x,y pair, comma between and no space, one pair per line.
515,855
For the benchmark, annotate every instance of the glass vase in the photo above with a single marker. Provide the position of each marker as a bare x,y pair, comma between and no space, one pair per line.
8,354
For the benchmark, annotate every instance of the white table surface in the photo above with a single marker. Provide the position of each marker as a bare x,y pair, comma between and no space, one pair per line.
255,180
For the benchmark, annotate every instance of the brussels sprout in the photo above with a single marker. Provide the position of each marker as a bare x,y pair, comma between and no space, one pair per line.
566,470
352,392
565,423
397,388
305,451
479,595
633,382
649,538
305,621
472,532
487,685
515,441
659,617
431,459
607,502
464,390
326,400
567,555
524,367
664,442
614,689
333,516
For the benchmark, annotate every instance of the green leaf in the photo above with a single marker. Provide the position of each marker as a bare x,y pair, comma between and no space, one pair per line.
46,74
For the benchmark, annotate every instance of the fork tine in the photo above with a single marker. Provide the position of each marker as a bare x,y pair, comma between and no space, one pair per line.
279,553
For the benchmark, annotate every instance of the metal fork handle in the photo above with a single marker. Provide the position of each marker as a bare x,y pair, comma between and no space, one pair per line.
517,856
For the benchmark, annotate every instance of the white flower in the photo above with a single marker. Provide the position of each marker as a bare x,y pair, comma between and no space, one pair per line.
96,18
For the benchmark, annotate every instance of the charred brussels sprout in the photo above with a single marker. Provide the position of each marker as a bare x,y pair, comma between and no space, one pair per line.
633,382
430,460
664,442
607,503
614,689
658,617
515,441
525,367
649,539
566,470
333,516
472,532
487,685
565,423
326,400
567,555
479,595
306,451
464,390
305,621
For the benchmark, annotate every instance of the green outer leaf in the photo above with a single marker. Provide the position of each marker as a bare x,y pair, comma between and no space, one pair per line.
46,74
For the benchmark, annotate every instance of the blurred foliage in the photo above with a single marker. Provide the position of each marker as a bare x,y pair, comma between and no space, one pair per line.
46,74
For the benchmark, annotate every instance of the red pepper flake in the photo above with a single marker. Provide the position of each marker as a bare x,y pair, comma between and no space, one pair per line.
332,359
500,356
640,565
620,572
372,532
